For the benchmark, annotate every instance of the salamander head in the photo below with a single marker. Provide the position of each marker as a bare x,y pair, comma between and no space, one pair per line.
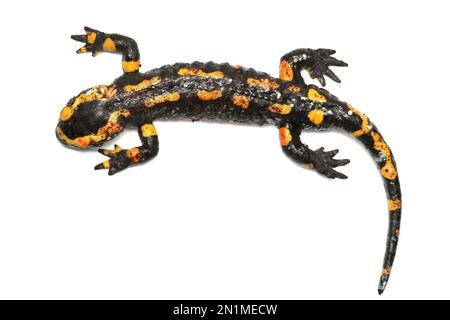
90,119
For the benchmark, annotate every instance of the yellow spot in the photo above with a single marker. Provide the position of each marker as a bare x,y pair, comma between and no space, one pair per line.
167,97
263,83
209,95
282,109
397,233
66,113
148,130
106,164
315,96
109,45
241,101
95,93
111,127
82,50
200,73
285,136
308,165
134,154
386,272
365,122
131,66
144,84
91,36
316,116
394,204
237,66
286,72
388,170
294,89
116,150
96,53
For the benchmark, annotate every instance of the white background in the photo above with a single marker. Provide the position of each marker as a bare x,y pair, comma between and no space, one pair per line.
221,212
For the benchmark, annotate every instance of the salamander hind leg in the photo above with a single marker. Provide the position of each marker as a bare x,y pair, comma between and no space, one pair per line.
316,62
121,159
321,161
97,42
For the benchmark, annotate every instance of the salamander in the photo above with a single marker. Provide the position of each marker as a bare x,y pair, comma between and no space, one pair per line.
224,93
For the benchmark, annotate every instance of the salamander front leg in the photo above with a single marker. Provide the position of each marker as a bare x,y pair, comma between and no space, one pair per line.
97,42
123,158
316,62
319,160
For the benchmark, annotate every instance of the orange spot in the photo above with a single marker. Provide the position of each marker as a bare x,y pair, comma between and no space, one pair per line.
148,130
316,116
109,45
263,83
365,122
282,109
144,84
83,141
82,50
117,149
397,233
315,96
91,36
134,154
294,89
209,95
388,170
66,113
386,272
286,73
200,73
168,97
106,164
131,66
285,136
241,101
394,204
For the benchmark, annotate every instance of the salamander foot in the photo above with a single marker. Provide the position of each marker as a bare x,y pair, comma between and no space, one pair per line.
324,163
120,159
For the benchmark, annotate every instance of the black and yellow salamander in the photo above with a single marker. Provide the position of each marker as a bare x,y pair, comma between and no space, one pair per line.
225,93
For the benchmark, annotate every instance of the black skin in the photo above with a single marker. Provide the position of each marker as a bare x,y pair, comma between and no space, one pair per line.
224,93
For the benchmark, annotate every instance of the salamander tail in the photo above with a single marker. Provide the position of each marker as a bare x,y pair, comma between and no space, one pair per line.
362,129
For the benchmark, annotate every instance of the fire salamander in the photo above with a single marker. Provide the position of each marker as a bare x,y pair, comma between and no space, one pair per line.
226,93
